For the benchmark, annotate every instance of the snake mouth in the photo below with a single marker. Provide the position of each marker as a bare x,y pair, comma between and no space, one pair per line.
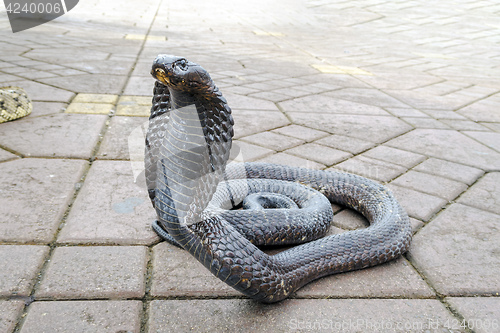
170,70
161,75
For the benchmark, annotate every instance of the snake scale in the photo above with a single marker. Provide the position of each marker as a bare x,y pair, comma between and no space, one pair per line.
193,189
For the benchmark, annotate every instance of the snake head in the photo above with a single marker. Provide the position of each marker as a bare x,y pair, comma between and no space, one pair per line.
178,73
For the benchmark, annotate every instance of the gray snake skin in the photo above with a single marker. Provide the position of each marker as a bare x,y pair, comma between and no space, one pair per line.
193,188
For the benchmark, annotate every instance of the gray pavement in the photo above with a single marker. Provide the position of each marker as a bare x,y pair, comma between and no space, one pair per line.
402,92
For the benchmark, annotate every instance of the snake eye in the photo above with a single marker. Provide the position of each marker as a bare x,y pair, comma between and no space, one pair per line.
182,64
159,71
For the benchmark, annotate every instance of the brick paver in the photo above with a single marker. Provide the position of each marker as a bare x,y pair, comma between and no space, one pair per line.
459,172
35,196
95,272
485,194
346,315
481,314
41,136
83,316
9,313
121,211
122,134
5,155
457,256
438,186
403,92
449,145
176,275
20,265
371,168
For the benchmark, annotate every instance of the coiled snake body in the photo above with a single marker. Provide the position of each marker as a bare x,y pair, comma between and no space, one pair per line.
191,187
14,103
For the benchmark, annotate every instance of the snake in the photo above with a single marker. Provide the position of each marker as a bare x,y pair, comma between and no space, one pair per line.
197,192
14,103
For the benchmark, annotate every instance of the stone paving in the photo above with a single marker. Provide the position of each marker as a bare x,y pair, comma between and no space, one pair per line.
402,92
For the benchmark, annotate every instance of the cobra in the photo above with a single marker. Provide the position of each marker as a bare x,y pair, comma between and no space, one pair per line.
193,189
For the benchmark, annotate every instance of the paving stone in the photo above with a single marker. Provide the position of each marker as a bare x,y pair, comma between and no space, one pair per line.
334,80
480,313
464,125
248,122
367,96
400,80
444,88
416,225
121,210
89,83
393,279
459,172
60,55
484,110
444,114
90,108
60,72
485,194
95,98
371,168
491,140
290,160
133,110
329,69
420,100
247,152
83,316
350,220
405,112
273,141
135,100
417,204
176,273
400,157
348,315
35,193
301,132
425,122
327,104
94,272
303,91
371,128
273,96
430,184
9,312
318,153
240,90
41,136
5,155
44,108
139,86
4,78
123,134
249,103
134,106
142,68
494,126
42,92
20,265
458,252
448,145
351,145
119,66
